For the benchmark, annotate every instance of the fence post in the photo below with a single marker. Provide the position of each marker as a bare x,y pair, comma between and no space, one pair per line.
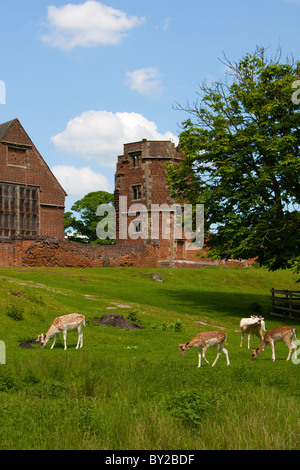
273,300
290,305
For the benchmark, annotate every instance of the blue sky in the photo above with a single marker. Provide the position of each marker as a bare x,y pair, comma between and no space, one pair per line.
85,77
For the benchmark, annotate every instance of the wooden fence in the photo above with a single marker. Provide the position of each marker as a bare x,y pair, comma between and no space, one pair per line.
285,303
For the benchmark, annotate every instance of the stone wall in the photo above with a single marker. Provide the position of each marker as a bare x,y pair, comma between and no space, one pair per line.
45,251
53,252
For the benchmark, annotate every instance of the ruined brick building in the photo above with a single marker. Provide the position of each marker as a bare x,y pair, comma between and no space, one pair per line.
140,178
31,199
32,209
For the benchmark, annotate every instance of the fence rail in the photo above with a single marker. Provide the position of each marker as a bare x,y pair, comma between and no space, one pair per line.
285,303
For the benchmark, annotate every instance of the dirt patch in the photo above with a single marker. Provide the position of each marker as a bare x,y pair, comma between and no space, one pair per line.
118,321
16,294
28,344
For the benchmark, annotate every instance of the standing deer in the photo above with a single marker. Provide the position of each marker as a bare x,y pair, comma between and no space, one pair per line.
73,321
281,333
253,325
205,340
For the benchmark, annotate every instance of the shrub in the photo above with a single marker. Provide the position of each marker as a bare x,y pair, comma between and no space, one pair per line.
176,326
15,311
134,316
190,405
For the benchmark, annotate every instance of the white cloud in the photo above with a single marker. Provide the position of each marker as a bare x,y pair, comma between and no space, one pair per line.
80,181
101,134
167,23
145,81
87,24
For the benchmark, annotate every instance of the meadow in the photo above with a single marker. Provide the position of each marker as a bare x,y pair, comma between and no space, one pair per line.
130,389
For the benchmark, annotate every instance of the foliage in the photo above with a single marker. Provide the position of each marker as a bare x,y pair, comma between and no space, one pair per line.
15,311
190,405
173,326
81,226
135,317
241,143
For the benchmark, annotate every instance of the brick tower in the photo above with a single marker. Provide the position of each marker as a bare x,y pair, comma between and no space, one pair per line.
140,177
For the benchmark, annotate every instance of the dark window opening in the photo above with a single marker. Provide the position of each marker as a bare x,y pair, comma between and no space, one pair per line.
136,191
19,210
135,160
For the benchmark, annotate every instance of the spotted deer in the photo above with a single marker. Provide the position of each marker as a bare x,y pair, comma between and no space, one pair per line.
281,333
205,340
73,321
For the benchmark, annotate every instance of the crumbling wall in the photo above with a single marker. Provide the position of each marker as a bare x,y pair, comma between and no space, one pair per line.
53,252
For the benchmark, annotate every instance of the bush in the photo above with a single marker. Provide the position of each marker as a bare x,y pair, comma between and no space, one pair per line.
134,317
190,405
15,311
176,326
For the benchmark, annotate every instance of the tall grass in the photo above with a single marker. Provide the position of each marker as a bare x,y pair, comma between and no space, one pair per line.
129,389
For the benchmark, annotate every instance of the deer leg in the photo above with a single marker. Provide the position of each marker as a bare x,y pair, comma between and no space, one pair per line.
199,354
260,337
65,339
226,354
242,337
79,337
218,355
289,345
249,335
55,338
78,341
204,352
273,350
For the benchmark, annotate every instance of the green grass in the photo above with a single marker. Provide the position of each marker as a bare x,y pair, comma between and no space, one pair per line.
129,389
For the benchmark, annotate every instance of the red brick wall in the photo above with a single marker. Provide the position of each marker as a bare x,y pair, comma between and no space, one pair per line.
7,256
52,222
54,252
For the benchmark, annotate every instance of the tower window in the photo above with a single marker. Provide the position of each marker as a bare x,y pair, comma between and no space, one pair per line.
135,160
136,191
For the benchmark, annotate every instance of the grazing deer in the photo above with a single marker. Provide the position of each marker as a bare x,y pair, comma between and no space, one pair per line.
73,321
205,340
281,333
253,325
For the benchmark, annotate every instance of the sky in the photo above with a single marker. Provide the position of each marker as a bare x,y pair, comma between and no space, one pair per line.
86,77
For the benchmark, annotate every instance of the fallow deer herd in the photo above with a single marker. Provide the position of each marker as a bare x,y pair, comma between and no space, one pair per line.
253,325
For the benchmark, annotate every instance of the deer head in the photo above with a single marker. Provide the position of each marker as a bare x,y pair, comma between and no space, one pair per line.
255,353
42,340
183,348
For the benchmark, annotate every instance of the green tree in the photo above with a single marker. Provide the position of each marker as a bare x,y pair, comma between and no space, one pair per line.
81,222
241,142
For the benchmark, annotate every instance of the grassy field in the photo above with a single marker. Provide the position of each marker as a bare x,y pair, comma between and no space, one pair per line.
130,389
